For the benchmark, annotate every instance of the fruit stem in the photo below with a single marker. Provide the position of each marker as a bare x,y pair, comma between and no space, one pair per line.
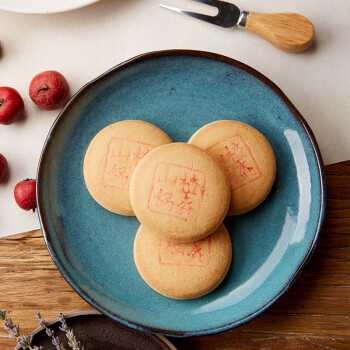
42,87
2,102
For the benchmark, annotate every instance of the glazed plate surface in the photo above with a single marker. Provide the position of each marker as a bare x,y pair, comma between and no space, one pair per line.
43,6
180,91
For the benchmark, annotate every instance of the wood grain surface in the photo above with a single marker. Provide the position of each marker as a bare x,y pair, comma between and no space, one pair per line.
313,314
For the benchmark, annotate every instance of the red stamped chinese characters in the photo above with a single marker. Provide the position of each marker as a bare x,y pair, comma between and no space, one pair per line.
189,254
122,157
176,191
238,160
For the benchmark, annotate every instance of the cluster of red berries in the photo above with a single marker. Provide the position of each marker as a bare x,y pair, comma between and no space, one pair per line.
49,90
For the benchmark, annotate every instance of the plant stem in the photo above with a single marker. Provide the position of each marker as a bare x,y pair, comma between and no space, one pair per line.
42,87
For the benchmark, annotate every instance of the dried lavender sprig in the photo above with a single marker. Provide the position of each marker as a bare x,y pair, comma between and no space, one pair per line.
13,329
14,332
25,341
55,340
8,324
72,340
64,327
38,316
2,315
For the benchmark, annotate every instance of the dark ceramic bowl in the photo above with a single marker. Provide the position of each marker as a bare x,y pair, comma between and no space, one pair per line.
180,91
99,332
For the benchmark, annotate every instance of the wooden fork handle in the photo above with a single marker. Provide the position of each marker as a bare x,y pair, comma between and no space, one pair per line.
287,31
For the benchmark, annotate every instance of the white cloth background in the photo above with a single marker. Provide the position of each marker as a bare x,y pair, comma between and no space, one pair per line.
83,43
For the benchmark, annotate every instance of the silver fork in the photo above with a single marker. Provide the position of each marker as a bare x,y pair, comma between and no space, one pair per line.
290,32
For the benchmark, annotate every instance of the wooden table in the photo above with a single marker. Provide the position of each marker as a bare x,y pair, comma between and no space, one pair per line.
313,314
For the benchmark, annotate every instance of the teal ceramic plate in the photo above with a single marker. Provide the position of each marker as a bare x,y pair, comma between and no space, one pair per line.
180,91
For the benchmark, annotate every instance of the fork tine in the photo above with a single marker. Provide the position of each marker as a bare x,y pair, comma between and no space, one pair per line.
206,18
227,16
172,8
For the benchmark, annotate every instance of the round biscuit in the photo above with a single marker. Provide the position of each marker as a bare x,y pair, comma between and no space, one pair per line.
180,192
184,270
246,155
112,157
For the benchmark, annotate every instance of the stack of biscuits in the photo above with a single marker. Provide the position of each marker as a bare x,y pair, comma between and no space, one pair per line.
180,193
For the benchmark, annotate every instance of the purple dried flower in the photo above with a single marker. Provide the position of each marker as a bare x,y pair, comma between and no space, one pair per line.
42,323
8,324
2,314
14,332
25,341
63,322
72,341
50,332
56,341
64,327
70,334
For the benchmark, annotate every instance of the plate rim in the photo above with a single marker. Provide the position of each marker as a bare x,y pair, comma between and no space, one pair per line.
47,11
296,114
